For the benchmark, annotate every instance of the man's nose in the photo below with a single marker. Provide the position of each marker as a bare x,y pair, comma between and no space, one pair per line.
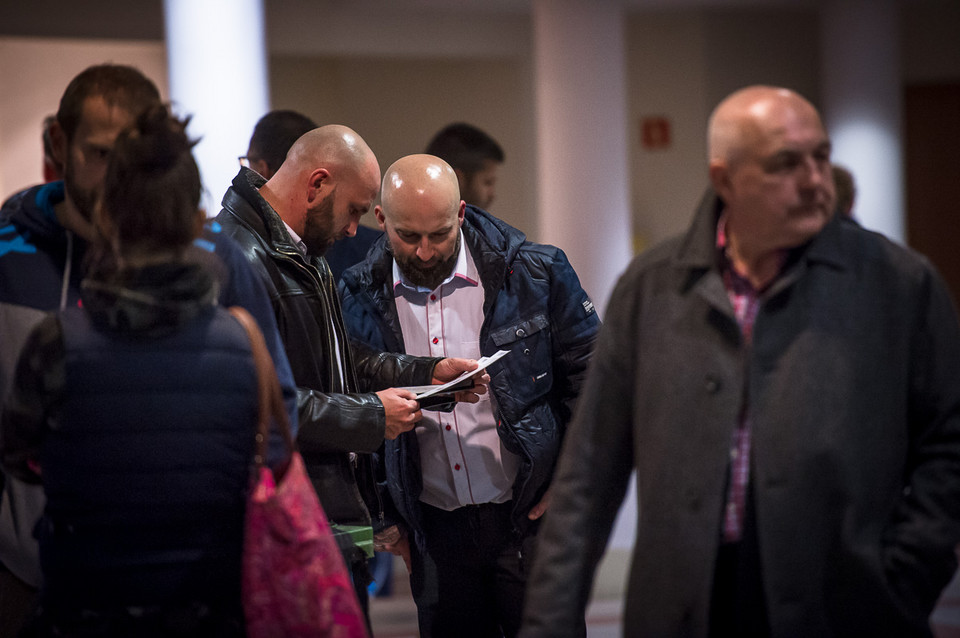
814,173
425,251
352,226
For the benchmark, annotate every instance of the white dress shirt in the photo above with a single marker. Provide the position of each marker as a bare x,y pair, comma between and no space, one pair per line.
462,459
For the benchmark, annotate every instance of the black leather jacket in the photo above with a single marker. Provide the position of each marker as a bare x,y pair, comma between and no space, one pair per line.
335,420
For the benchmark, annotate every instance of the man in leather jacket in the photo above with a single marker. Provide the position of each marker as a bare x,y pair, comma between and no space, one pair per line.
471,484
348,401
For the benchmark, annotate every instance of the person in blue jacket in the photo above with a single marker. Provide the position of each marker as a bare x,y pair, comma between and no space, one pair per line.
44,234
471,484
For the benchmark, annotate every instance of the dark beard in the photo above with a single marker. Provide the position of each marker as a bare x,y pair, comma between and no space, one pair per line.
428,277
318,228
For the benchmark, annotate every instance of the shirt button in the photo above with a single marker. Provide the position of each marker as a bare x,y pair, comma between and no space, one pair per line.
435,341
521,333
448,428
457,467
433,297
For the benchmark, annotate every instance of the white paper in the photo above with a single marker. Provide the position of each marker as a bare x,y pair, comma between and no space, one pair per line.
423,392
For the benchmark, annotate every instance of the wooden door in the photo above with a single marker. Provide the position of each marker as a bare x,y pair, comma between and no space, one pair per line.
932,150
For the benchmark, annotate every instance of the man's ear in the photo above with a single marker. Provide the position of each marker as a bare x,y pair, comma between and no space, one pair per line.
720,179
461,212
58,145
319,180
381,220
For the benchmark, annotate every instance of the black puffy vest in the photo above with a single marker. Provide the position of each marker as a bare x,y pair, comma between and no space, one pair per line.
147,476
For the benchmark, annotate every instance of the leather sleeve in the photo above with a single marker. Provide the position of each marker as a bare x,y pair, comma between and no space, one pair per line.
382,370
339,422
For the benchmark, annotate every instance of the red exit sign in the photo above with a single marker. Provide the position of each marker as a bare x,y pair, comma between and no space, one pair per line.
655,132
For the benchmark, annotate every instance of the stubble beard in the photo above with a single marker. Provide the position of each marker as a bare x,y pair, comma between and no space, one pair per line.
84,199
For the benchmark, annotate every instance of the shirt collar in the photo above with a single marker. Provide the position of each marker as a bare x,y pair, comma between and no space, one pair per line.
464,273
302,247
726,265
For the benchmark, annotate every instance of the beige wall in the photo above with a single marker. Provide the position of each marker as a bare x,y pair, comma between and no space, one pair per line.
397,106
679,64
34,73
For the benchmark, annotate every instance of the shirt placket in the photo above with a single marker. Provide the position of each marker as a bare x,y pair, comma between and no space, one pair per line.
447,421
746,303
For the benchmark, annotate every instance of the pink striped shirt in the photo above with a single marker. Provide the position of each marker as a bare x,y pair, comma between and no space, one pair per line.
746,302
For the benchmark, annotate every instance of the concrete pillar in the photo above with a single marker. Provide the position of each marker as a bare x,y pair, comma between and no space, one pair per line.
217,62
862,106
582,134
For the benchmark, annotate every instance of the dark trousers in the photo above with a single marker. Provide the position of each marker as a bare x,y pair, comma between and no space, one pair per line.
470,581
360,577
738,607
18,601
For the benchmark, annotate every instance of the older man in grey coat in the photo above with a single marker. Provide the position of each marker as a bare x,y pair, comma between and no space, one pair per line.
787,387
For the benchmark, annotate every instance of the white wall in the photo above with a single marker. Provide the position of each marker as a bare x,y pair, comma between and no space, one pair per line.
34,74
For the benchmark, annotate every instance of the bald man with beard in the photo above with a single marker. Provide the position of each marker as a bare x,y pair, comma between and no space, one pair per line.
349,400
470,485
786,387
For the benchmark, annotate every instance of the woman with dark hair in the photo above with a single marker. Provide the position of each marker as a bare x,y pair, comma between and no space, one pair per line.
137,413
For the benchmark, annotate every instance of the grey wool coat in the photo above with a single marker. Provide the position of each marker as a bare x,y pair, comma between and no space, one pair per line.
853,381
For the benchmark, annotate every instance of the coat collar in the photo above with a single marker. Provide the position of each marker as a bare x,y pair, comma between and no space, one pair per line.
697,254
697,249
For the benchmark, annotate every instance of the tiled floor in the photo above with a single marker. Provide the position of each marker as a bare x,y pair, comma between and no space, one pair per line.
396,617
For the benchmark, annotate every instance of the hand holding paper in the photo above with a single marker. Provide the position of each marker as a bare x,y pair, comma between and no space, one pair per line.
456,380
467,379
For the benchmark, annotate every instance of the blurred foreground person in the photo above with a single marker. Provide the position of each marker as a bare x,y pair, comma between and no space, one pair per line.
137,413
47,230
787,387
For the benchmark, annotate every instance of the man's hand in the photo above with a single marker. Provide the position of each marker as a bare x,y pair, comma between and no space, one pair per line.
451,368
402,411
541,507
395,541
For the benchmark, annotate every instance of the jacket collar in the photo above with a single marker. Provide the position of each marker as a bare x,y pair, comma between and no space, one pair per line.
32,210
493,244
245,201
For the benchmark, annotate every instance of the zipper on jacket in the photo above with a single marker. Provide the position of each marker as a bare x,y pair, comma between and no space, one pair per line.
352,458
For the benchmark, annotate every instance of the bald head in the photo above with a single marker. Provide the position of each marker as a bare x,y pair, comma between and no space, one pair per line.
328,180
420,183
333,145
746,116
770,166
421,213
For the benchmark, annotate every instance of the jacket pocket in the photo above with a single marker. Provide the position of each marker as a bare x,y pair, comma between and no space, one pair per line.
527,374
